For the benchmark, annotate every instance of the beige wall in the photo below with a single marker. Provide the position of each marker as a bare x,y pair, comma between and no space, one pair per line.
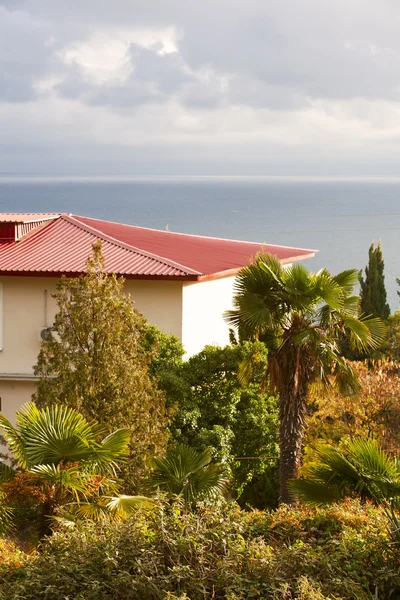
191,311
23,314
160,302
13,395
203,306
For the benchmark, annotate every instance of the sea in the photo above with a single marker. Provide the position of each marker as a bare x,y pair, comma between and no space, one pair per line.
338,217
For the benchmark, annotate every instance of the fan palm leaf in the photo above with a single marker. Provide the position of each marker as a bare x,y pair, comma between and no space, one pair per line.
70,479
54,434
64,454
365,332
347,280
362,468
13,440
110,452
123,506
184,471
60,434
105,508
93,511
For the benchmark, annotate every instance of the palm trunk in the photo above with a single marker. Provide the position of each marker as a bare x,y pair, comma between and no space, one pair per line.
292,411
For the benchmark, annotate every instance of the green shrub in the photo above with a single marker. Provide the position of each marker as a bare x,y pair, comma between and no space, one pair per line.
223,553
214,410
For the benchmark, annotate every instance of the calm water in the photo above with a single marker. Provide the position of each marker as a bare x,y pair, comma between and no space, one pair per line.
339,218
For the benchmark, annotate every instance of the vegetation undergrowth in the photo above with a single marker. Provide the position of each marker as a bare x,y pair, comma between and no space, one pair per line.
219,553
11,557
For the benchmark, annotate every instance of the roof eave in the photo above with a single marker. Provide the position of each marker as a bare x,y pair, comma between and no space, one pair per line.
235,271
188,277
291,259
58,274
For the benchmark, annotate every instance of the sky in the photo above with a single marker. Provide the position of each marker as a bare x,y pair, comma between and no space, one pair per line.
182,87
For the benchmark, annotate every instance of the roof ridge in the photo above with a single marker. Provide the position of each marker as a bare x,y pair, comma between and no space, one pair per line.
205,237
108,238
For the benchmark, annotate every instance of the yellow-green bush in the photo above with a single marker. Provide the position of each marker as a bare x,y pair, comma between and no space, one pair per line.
11,557
339,553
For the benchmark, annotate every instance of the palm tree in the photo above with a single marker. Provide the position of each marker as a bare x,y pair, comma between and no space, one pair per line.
188,473
60,459
300,316
362,469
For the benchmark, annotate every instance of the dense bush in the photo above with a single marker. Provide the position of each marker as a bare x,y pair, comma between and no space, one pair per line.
219,554
214,411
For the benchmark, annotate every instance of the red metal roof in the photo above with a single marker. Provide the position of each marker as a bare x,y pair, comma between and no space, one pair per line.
64,244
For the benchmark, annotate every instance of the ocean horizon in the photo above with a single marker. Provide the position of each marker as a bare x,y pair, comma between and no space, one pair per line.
338,216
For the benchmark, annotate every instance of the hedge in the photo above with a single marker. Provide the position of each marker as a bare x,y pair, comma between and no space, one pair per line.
221,553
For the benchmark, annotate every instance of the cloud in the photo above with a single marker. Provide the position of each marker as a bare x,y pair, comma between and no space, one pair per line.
291,80
105,56
22,54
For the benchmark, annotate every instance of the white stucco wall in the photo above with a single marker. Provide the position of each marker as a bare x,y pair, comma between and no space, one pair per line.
202,317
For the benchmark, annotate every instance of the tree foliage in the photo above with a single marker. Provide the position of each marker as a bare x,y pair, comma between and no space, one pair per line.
374,413
391,348
215,411
99,360
300,317
373,291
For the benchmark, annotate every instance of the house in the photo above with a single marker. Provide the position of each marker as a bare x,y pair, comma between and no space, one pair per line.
182,283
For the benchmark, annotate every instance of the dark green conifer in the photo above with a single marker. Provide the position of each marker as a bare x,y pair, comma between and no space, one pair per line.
373,291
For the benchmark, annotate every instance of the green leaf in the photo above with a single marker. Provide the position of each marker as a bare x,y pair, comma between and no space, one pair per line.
347,280
7,473
71,479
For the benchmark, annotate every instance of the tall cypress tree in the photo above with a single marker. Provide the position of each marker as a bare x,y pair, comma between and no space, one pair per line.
373,291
